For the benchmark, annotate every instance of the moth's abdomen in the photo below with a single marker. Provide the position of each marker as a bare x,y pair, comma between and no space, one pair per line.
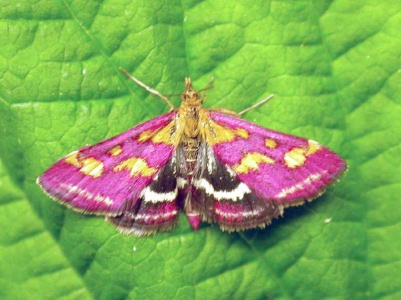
191,148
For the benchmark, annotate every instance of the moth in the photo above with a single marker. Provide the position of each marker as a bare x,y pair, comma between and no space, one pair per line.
210,163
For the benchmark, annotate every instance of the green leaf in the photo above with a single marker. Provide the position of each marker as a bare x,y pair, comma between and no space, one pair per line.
335,69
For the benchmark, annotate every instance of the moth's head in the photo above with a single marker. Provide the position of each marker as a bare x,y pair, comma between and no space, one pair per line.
190,96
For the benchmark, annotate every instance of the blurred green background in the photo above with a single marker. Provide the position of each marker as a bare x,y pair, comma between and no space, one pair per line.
335,68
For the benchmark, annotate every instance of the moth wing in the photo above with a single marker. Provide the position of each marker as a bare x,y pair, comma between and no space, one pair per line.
218,196
158,204
275,166
107,178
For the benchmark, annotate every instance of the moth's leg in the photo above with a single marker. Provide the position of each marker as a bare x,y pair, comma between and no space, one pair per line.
149,89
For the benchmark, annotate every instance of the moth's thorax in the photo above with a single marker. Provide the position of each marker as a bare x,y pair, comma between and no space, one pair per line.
189,111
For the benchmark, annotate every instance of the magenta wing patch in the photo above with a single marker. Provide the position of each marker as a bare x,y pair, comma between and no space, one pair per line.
107,178
277,166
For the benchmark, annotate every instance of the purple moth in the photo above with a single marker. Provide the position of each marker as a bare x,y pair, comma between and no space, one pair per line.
210,163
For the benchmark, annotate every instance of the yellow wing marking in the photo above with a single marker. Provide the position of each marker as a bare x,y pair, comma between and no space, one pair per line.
269,143
146,135
72,159
251,161
163,135
136,166
92,167
88,166
216,134
115,151
297,156
242,133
